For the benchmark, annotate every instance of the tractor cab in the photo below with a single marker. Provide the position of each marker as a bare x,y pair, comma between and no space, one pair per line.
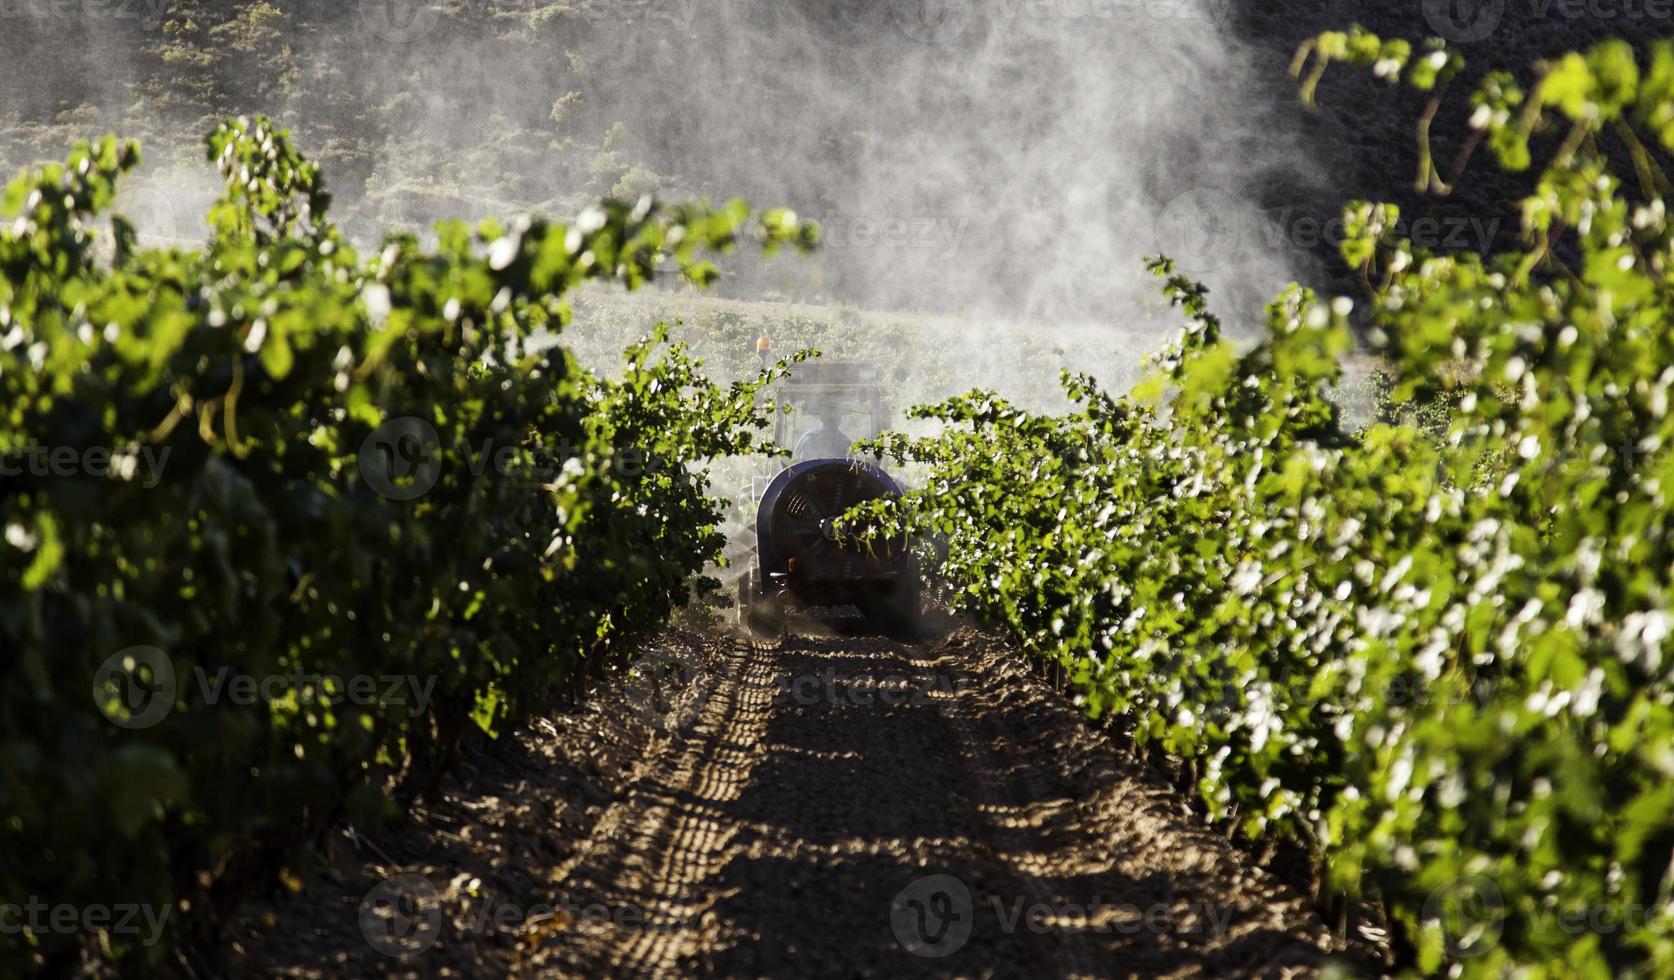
821,401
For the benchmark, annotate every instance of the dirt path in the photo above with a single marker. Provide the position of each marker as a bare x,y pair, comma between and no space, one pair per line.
852,806
843,806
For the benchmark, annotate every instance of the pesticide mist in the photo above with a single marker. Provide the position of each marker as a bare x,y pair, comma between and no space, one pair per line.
1004,164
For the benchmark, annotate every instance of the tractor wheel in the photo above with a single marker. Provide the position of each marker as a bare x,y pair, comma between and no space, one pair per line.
770,617
900,613
759,614
746,595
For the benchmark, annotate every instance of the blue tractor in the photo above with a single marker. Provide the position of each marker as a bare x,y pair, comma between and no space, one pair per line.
796,561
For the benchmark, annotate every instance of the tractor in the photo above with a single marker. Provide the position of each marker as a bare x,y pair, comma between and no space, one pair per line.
795,559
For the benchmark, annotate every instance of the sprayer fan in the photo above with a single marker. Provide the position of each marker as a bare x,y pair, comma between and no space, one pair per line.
802,522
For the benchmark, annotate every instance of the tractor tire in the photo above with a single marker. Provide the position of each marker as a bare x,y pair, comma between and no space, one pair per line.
746,595
901,612
759,614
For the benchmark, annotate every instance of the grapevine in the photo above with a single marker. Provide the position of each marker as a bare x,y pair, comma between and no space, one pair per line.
317,468
1434,656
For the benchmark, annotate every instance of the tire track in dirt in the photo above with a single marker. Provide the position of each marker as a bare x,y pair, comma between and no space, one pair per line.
851,806
652,854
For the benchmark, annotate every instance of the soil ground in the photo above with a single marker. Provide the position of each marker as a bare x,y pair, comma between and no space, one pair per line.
829,806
